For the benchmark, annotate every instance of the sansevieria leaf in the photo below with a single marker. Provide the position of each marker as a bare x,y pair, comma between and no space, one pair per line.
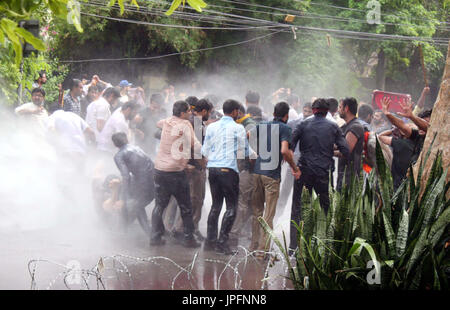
402,234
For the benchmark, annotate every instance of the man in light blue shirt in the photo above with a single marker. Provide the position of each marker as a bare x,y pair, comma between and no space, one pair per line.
225,142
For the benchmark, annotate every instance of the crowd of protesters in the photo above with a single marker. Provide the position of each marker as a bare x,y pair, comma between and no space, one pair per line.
167,147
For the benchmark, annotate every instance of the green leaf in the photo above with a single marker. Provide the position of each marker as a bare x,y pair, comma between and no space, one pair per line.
9,27
122,7
2,37
402,234
28,36
437,229
173,7
197,4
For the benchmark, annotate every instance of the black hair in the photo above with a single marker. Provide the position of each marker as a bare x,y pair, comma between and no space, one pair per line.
254,111
292,99
41,74
230,105
133,105
38,90
252,97
93,88
74,83
365,111
111,91
119,139
333,104
191,100
426,113
281,109
203,104
157,98
351,103
179,107
242,108
307,105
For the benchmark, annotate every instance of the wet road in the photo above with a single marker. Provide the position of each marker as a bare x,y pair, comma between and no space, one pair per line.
127,262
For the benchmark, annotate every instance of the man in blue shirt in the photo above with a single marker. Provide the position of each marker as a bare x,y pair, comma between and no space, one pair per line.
225,142
273,146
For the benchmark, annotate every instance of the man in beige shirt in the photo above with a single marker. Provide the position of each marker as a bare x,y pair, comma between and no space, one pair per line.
177,142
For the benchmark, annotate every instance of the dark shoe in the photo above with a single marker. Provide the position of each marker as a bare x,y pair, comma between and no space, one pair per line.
233,241
191,243
209,246
199,236
157,242
177,235
224,249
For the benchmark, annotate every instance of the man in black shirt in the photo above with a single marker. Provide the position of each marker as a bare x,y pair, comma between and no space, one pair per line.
317,137
406,151
136,168
354,135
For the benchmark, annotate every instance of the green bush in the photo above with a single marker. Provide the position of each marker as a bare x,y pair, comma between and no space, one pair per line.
403,231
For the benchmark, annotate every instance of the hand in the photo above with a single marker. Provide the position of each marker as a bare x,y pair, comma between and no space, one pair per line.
407,109
426,90
297,173
385,103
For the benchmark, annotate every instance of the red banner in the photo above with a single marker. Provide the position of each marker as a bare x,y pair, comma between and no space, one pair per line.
378,95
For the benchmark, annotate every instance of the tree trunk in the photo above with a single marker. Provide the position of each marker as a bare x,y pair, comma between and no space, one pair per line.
440,124
381,71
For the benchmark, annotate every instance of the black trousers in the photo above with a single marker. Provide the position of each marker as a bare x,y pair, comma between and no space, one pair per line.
166,185
224,183
142,194
320,186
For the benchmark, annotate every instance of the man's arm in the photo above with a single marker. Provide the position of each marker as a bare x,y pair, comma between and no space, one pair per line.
295,137
394,120
341,143
243,148
351,140
421,101
100,124
385,139
288,156
90,135
408,113
122,166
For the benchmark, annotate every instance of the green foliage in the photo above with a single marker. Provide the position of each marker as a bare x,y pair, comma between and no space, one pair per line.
409,244
198,5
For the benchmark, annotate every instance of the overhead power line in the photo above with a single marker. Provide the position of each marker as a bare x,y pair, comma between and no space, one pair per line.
172,54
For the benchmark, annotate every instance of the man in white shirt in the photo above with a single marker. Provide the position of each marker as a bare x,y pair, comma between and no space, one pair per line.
98,111
118,122
71,131
35,111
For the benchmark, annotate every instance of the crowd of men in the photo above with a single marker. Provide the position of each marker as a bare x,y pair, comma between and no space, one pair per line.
166,148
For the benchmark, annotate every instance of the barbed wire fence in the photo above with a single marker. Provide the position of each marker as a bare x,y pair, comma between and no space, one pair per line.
115,266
